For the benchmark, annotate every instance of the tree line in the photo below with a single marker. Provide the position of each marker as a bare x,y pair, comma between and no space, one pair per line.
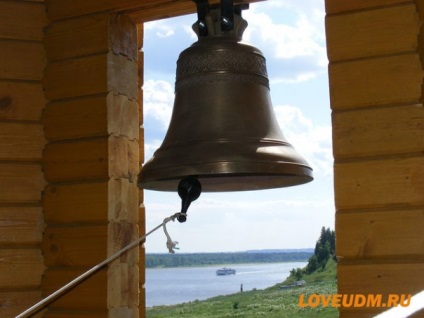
325,248
202,259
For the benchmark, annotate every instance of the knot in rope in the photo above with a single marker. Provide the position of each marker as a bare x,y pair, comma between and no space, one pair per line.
170,244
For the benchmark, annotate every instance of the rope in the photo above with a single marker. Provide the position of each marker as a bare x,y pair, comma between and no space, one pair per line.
59,293
170,244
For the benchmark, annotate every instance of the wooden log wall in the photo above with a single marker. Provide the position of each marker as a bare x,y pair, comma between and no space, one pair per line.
21,143
91,162
375,50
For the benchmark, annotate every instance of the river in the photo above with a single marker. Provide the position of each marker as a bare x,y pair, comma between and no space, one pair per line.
167,286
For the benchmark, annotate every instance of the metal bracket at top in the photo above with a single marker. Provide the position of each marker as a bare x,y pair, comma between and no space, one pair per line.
227,15
228,9
202,11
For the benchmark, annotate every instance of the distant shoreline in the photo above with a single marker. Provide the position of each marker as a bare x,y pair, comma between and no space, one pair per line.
225,258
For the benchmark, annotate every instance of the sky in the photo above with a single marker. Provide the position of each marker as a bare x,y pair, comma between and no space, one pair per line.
290,33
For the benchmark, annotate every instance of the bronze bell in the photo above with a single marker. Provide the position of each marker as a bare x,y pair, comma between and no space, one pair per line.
223,130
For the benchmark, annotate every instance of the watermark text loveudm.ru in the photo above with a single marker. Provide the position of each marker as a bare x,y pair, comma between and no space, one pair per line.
354,300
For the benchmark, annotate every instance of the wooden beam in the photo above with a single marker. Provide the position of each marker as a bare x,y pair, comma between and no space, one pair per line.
379,183
21,141
91,295
140,11
90,203
390,80
378,278
22,20
393,129
362,34
76,203
17,64
15,302
21,226
85,36
380,234
78,246
52,313
337,6
21,268
21,101
76,161
21,183
94,74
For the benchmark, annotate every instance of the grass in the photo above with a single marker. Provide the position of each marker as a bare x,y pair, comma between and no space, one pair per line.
272,302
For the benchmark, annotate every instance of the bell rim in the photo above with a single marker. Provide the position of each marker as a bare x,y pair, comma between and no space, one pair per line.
261,175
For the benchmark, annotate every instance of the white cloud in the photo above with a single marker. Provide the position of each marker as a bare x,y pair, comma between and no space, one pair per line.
158,99
161,29
312,141
150,147
295,47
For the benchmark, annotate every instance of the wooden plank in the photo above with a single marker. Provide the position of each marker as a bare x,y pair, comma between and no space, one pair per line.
76,203
380,278
371,33
337,6
123,158
22,20
379,183
91,159
122,286
126,312
120,234
378,132
21,141
71,38
142,291
76,77
52,313
21,268
123,36
76,161
15,302
21,225
123,116
374,82
420,8
79,246
21,183
371,313
164,11
123,201
89,295
21,101
380,234
93,115
76,118
16,63
91,75
62,9
123,76
93,34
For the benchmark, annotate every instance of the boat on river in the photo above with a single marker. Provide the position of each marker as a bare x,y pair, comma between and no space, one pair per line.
225,271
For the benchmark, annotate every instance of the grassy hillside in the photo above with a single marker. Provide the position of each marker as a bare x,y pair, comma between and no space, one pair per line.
272,302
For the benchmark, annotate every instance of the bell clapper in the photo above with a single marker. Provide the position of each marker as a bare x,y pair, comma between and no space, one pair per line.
189,190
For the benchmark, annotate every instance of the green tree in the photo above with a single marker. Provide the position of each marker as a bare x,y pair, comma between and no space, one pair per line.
312,265
325,248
